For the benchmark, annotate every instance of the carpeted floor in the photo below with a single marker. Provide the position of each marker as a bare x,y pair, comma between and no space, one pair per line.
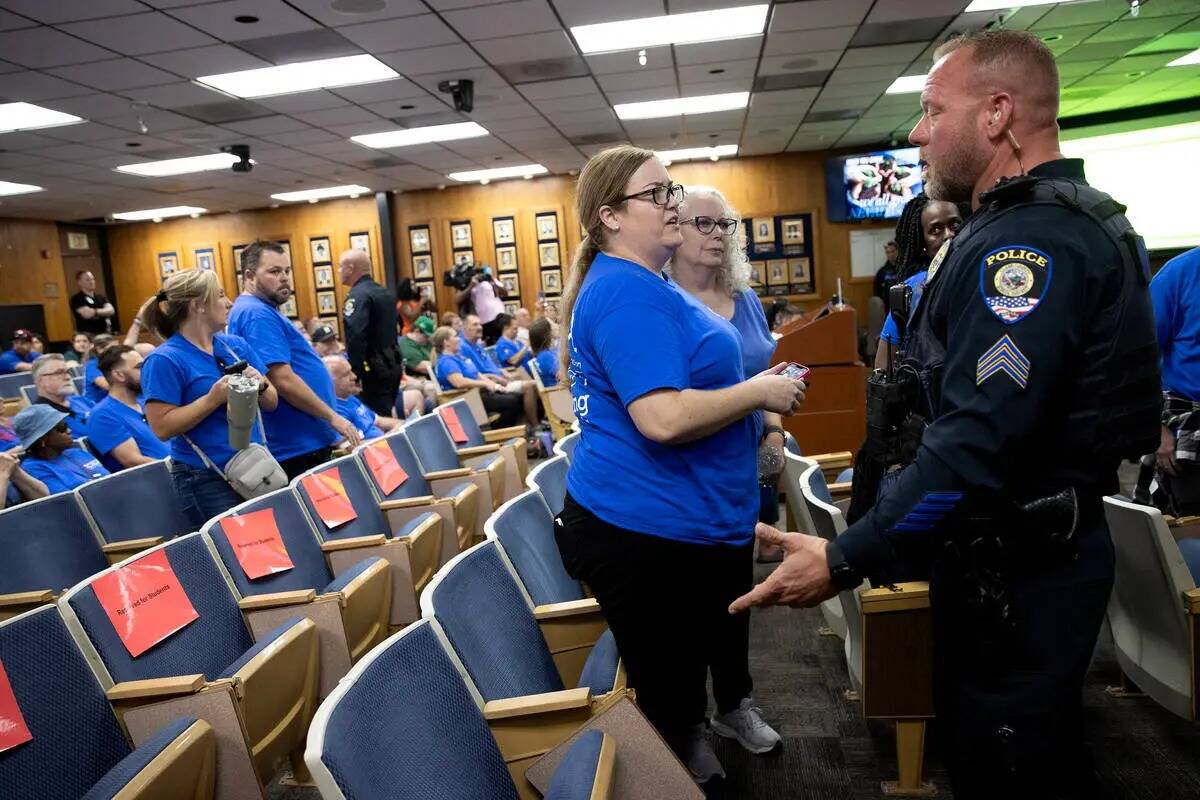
830,752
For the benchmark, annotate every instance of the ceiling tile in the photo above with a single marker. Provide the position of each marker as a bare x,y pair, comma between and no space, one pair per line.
915,9
176,95
395,89
55,11
11,22
515,49
423,105
35,86
267,125
551,89
212,60
323,11
135,34
645,79
710,52
718,71
878,56
802,43
95,105
47,47
115,75
88,132
503,19
432,59
337,116
219,19
302,101
808,62
865,74
407,33
586,12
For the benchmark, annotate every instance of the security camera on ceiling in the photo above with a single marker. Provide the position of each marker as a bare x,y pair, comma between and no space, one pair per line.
242,151
463,92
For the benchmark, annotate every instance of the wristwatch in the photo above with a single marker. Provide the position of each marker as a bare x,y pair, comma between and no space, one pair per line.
841,574
769,429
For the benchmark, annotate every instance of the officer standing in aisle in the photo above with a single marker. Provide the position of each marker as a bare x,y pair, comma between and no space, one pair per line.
1035,349
369,314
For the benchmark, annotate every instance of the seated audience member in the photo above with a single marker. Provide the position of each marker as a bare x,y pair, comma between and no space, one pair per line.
524,320
471,346
80,349
95,387
53,458
325,341
117,427
544,355
56,388
417,353
549,310
453,321
455,371
20,357
39,344
510,351
347,388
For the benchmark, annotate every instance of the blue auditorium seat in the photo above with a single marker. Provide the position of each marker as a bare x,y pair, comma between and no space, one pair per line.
437,455
525,527
550,478
511,440
566,446
10,385
136,507
45,546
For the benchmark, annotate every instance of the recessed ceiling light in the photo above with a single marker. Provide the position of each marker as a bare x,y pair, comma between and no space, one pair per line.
907,84
407,107
133,144
482,175
717,71
181,166
425,135
1183,61
7,188
689,153
158,213
1053,37
678,106
246,19
28,117
999,5
320,194
303,76
696,26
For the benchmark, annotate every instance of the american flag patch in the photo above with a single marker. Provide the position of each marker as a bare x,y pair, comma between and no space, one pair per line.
1011,309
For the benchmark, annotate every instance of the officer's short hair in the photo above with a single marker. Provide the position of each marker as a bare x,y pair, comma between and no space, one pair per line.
1005,52
252,255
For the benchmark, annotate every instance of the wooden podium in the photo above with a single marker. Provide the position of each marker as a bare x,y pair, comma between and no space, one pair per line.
834,416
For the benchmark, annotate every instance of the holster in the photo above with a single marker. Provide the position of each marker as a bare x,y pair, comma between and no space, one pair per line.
385,365
894,428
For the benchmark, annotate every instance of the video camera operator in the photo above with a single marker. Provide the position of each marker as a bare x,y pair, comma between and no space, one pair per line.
478,294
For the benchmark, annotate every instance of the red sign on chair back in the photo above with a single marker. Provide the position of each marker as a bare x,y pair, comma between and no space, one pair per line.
257,543
385,469
13,730
453,424
328,495
144,602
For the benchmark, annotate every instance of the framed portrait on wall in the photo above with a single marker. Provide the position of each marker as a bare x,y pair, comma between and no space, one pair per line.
552,281
793,230
464,259
547,226
756,274
503,230
320,250
287,249
77,241
511,306
323,276
288,309
763,229
206,258
777,272
326,303
799,271
548,254
511,284
168,264
506,258
423,266
361,241
237,258
460,235
418,238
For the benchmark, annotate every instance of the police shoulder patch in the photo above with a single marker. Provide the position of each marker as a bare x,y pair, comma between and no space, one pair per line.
348,306
1003,358
1013,279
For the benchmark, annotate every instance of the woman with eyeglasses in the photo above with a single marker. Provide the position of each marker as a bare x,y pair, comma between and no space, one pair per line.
185,384
711,265
662,486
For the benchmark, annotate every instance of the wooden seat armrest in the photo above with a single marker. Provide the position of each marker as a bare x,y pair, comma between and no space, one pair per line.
131,545
897,597
277,599
27,598
536,704
570,608
460,472
477,450
830,460
406,502
353,543
843,488
504,434
1191,602
155,687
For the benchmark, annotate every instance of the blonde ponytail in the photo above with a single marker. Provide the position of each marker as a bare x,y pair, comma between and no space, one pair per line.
166,311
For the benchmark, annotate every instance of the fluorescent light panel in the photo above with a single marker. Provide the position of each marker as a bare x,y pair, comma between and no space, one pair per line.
688,153
998,5
907,84
180,166
303,76
498,173
698,26
8,188
1188,60
678,106
321,194
430,133
28,117
158,213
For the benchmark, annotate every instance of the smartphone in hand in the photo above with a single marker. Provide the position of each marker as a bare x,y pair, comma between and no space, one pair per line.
797,372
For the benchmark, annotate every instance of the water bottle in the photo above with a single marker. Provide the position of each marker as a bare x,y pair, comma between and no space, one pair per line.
770,464
241,409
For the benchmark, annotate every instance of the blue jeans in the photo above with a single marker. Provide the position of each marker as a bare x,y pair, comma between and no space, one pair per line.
202,493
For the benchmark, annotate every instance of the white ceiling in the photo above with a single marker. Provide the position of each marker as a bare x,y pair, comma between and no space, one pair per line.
817,77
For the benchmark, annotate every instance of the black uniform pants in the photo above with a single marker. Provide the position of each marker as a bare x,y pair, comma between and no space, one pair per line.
1008,701
666,603
379,393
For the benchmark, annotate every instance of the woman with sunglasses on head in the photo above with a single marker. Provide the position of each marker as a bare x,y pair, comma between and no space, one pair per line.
662,486
711,265
186,384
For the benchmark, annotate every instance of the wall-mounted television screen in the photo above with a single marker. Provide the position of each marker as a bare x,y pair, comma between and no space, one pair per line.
872,185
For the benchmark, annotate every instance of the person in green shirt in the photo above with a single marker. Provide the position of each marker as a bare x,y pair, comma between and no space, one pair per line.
415,349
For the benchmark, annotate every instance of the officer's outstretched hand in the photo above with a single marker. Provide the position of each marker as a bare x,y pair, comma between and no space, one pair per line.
802,579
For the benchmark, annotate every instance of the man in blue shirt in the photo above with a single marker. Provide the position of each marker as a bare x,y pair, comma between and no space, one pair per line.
301,430
56,388
347,388
95,387
471,347
20,357
117,427
53,457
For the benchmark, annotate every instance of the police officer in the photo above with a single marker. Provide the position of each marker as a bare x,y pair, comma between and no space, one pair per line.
369,314
1036,350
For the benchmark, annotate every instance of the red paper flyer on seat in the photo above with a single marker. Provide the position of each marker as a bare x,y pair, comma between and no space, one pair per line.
328,495
257,543
144,602
385,469
13,730
450,417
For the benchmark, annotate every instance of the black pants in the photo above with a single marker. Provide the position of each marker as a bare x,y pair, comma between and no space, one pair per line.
510,407
297,465
491,332
666,603
379,395
1008,700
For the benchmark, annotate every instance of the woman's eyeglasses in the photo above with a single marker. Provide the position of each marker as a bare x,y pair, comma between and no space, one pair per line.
660,195
60,427
706,224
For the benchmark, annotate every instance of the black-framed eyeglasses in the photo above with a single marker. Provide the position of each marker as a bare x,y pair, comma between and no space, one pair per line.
660,195
706,224
60,427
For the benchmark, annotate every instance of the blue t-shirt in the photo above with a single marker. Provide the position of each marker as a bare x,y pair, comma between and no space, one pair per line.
1175,292
506,349
91,371
179,373
889,332
547,364
758,345
10,358
74,467
482,361
290,431
633,332
448,364
360,416
111,423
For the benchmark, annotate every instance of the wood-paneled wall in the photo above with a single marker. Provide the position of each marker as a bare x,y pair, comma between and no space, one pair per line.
134,248
31,271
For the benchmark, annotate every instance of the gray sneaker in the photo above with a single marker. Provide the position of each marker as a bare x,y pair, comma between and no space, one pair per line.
700,759
747,726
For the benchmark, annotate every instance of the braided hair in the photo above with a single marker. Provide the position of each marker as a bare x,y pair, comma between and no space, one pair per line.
910,239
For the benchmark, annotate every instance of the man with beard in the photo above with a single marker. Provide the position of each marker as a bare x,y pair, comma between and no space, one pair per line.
1035,341
302,428
117,429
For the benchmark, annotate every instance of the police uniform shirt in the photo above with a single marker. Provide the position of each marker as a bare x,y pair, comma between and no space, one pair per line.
95,324
1008,310
369,314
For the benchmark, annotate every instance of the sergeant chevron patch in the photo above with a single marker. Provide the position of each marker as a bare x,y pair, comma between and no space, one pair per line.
1003,358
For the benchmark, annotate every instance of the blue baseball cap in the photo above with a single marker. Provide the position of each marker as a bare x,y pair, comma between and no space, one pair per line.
35,422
